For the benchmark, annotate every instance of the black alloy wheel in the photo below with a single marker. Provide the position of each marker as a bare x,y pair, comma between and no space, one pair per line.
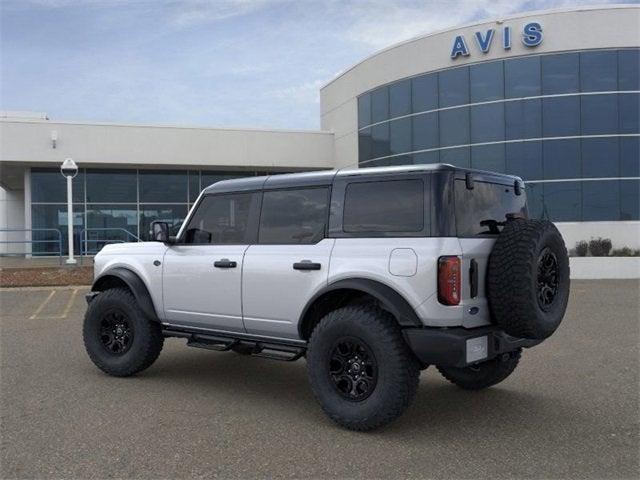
353,369
547,278
116,332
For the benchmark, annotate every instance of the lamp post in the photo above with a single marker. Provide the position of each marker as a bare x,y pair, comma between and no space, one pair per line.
69,169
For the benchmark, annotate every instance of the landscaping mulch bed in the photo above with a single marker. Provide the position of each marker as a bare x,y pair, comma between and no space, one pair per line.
45,276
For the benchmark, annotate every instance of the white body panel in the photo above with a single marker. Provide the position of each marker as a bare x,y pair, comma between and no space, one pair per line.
273,293
139,258
198,294
374,258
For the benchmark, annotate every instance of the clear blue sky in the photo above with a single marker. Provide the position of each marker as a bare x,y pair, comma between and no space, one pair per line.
251,63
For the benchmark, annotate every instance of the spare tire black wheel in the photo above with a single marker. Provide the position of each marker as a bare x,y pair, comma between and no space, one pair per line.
528,279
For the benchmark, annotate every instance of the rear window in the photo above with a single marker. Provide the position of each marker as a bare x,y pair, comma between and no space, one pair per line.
480,211
393,206
294,216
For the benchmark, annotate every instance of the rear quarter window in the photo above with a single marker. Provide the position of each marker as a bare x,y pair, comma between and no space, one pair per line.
391,206
485,205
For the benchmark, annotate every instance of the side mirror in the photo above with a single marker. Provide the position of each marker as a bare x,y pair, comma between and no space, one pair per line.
160,232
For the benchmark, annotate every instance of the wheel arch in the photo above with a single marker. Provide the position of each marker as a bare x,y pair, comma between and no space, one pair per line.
123,277
345,291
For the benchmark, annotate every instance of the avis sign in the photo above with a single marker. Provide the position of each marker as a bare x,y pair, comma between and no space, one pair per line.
531,37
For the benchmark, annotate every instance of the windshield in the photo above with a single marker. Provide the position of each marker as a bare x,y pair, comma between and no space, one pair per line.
483,210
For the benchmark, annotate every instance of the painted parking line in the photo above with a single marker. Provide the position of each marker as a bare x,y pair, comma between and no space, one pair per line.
42,305
69,304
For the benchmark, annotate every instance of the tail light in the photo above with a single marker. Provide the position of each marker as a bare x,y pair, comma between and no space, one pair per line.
449,280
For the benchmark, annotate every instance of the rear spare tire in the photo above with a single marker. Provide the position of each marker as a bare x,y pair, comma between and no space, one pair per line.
528,279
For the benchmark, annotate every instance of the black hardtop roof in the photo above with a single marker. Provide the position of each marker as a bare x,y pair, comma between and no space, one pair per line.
326,177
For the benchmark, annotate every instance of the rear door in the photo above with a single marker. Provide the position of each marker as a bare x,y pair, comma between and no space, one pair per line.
479,212
202,273
290,262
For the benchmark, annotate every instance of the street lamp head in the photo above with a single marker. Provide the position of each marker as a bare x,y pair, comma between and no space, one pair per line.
69,168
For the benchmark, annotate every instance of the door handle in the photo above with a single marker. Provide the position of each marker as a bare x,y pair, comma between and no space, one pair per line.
225,263
306,265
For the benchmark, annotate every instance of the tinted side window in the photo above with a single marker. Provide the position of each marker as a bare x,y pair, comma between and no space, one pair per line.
221,219
294,216
384,206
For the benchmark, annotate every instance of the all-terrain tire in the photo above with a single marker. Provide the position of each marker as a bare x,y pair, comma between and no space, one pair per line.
120,356
528,279
483,375
397,369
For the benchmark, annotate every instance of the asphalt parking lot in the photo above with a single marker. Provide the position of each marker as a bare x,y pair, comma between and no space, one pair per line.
569,411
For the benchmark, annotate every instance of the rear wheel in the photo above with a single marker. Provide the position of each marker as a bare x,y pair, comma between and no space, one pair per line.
483,375
360,368
118,337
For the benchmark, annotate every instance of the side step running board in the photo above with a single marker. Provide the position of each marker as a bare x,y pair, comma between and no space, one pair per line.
255,348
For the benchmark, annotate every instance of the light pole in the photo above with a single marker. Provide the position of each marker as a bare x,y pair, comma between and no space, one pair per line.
69,169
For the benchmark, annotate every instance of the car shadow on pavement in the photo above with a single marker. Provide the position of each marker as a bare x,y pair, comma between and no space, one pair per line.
439,407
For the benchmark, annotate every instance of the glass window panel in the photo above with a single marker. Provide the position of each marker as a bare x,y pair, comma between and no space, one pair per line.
522,77
294,216
629,112
460,157
560,73
562,201
629,69
630,200
599,114
426,157
194,186
209,178
561,116
454,87
106,186
424,93
600,201
55,217
364,110
488,157
524,159
561,159
174,215
600,157
365,145
454,127
163,186
48,185
599,71
425,131
380,140
523,119
534,193
389,206
110,224
487,123
398,160
400,135
221,220
630,157
380,104
487,81
400,98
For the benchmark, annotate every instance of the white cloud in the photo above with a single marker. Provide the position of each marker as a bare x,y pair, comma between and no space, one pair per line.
194,12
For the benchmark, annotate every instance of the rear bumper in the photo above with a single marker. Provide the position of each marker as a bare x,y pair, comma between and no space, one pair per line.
460,347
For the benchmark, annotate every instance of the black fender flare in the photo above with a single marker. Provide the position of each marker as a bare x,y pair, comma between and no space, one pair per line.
135,284
390,300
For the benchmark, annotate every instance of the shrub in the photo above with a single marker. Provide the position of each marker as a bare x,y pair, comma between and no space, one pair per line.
625,252
600,247
582,248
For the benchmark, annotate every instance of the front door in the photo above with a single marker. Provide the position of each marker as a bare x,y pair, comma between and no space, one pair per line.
202,272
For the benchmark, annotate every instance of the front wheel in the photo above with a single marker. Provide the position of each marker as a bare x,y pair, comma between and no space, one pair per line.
360,368
485,374
118,337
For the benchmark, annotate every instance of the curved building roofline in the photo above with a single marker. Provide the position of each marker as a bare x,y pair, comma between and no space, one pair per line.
476,23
